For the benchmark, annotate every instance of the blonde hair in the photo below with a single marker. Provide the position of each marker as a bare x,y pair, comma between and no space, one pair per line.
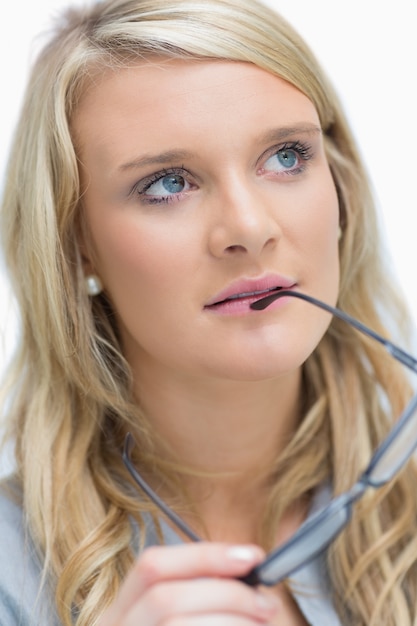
69,389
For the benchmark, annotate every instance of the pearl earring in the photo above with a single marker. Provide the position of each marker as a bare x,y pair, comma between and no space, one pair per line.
93,285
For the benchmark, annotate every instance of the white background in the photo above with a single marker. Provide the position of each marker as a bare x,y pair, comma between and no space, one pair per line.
368,48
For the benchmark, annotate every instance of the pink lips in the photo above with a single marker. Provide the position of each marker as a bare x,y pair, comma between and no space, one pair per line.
237,297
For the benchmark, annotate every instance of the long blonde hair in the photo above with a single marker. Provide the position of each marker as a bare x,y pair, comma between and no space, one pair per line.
69,402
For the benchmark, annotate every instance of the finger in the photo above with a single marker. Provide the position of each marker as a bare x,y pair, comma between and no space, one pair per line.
192,561
158,564
165,601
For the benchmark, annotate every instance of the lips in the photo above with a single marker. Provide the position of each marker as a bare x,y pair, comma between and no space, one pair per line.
245,291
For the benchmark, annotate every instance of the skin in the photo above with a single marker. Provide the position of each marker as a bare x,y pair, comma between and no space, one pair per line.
236,210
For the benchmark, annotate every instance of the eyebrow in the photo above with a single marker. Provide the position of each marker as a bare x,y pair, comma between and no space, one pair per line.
275,134
157,159
278,134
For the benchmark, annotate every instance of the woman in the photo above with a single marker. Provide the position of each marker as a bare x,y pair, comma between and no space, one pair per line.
176,161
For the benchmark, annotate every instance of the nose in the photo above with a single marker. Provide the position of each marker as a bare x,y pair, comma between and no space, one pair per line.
245,222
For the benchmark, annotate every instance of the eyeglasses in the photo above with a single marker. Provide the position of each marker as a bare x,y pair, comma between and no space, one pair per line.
321,528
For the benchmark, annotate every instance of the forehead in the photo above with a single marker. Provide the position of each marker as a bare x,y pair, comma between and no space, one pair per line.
164,100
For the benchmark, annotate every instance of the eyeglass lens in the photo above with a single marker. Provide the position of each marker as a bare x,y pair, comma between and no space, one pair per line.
310,539
396,449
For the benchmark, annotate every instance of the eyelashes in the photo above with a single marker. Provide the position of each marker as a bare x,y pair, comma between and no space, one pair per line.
290,158
173,184
167,185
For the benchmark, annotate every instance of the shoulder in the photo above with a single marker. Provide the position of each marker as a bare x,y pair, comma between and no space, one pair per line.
23,600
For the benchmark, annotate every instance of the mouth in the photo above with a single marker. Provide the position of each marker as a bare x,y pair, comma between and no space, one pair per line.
250,296
238,297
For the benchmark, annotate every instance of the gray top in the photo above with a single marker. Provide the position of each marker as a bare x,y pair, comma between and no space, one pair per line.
21,603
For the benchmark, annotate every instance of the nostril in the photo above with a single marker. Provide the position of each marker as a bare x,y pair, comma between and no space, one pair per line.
235,248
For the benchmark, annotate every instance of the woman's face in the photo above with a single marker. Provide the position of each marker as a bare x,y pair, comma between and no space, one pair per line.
203,182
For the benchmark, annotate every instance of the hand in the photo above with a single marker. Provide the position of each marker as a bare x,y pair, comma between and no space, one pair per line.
191,585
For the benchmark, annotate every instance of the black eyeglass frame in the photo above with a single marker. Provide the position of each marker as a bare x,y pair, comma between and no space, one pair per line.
339,508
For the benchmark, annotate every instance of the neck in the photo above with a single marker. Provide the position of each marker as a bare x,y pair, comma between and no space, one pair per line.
228,434
223,426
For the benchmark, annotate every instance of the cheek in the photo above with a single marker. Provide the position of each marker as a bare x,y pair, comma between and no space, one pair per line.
122,252
326,235
136,258
315,238
321,217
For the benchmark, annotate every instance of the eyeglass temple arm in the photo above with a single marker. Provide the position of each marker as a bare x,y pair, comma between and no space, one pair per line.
399,354
171,515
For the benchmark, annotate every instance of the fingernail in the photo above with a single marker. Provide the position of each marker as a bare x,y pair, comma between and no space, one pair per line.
246,554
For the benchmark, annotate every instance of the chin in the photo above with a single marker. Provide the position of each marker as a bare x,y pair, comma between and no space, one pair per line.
257,370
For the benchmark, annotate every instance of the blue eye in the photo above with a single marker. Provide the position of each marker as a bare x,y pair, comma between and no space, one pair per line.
289,158
164,186
168,184
282,160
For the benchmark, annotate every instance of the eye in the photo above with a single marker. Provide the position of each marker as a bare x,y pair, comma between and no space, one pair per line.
168,184
282,161
163,187
288,159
